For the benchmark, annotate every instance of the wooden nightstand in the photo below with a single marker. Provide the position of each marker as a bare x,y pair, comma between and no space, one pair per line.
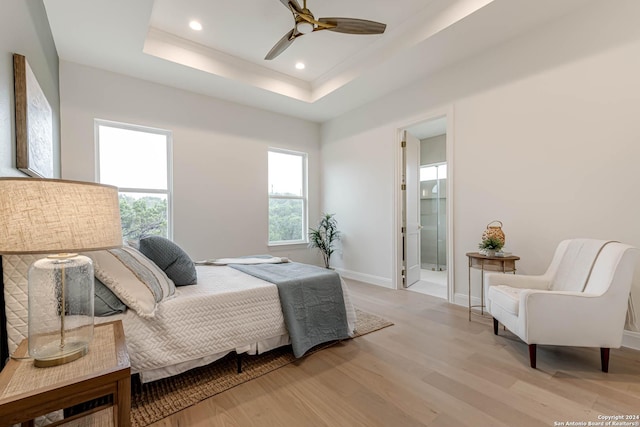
27,392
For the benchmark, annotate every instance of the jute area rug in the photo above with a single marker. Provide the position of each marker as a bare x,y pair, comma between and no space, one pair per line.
153,401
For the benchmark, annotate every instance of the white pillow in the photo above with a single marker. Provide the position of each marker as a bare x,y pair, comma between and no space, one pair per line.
135,279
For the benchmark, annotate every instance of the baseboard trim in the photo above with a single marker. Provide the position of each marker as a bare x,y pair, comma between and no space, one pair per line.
463,300
630,339
367,278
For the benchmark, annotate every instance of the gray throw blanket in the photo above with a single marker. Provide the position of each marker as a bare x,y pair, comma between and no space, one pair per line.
311,299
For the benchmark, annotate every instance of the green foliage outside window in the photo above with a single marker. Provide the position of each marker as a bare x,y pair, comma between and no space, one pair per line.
285,220
146,216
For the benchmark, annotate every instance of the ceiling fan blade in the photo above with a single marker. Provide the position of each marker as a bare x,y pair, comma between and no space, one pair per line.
282,44
294,4
354,26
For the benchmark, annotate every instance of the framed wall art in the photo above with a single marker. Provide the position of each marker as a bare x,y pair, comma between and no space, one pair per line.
34,122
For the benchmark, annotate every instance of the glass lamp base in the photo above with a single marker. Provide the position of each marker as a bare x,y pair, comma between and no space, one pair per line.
52,355
61,292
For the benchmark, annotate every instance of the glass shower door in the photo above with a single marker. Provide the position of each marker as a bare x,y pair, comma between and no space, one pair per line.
433,216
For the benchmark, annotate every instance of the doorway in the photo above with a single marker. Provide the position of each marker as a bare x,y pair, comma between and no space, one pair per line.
426,195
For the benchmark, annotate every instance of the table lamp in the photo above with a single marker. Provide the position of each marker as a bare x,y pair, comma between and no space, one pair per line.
58,217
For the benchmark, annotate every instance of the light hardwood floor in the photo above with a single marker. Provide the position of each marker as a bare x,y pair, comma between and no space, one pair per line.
433,368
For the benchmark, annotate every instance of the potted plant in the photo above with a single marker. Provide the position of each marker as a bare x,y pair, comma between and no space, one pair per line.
490,245
324,236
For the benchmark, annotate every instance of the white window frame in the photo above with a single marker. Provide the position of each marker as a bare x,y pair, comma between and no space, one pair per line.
304,198
138,128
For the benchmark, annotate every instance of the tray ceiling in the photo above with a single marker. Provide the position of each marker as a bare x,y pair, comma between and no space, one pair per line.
152,40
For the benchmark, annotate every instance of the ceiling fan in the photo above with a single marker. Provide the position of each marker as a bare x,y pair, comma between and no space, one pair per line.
305,23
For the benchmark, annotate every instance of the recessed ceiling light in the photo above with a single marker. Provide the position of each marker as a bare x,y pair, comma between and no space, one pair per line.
195,25
300,65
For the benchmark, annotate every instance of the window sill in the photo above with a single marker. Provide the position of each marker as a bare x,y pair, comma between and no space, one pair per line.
287,245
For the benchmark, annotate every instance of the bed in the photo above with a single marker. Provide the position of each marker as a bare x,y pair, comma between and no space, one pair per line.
226,311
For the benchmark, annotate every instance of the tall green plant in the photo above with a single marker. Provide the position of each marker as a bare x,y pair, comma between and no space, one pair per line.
324,237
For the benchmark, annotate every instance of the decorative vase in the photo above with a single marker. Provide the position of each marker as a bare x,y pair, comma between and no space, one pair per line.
490,252
494,231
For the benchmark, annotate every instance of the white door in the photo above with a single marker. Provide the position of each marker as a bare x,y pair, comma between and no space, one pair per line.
411,203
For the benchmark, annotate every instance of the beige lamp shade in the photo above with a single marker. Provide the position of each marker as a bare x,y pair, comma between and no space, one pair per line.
54,216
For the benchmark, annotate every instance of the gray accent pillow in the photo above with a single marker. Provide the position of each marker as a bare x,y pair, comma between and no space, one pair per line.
170,258
105,302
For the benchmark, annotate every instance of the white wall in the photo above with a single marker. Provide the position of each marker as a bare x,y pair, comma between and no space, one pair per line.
547,139
220,200
24,29
357,175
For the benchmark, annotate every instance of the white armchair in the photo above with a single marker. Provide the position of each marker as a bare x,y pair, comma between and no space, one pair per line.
580,301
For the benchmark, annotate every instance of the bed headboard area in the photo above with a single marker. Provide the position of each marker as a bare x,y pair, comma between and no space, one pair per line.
4,347
15,301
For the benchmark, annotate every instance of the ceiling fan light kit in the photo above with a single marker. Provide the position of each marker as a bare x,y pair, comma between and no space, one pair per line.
304,27
305,23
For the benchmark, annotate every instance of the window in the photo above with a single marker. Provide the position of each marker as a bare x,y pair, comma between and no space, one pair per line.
137,160
287,197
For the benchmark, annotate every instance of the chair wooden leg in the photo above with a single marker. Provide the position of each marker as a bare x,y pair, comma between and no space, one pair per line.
495,326
604,359
532,355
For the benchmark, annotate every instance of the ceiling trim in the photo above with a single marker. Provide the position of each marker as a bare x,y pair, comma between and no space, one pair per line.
432,19
185,52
